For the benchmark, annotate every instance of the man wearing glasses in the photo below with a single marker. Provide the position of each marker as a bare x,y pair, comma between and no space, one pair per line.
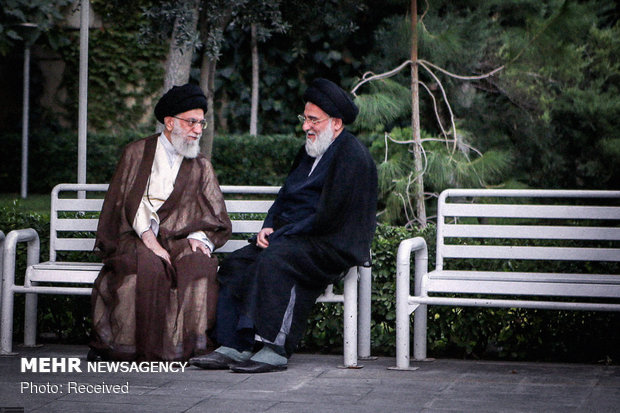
162,216
321,224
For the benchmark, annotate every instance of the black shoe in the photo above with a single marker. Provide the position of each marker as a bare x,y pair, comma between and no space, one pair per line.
251,366
212,361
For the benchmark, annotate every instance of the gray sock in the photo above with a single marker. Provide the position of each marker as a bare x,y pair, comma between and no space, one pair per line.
269,356
234,354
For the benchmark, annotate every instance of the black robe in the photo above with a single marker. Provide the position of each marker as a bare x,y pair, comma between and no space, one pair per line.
304,257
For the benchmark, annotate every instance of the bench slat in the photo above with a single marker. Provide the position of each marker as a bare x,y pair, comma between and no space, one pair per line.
248,189
549,284
527,288
246,226
248,206
232,245
93,205
484,276
530,253
74,244
529,211
61,272
87,224
531,232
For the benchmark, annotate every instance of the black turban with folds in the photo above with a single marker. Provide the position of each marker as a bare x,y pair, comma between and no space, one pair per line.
180,99
332,100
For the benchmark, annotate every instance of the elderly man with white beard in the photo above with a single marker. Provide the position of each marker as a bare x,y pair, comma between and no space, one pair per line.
321,223
162,216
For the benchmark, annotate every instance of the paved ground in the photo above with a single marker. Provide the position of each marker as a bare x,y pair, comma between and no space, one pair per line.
314,383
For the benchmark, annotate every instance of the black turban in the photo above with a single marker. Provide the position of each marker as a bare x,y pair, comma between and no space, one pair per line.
180,99
332,100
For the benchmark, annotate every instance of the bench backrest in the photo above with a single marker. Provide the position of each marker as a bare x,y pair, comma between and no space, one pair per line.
75,213
564,225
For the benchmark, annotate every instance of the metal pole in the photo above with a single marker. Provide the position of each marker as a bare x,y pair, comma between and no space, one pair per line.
83,93
25,110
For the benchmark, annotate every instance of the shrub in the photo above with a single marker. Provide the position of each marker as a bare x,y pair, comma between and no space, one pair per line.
254,160
244,159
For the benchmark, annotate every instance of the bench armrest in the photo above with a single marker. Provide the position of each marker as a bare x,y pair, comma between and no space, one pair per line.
403,259
28,235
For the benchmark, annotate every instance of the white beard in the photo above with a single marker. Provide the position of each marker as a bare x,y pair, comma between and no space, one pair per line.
187,148
321,141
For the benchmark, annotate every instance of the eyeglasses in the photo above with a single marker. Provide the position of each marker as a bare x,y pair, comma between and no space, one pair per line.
193,122
304,119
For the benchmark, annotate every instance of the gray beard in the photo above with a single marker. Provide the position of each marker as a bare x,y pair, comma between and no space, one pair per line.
321,143
188,149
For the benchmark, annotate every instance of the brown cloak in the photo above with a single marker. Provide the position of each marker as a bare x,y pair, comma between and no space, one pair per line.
144,308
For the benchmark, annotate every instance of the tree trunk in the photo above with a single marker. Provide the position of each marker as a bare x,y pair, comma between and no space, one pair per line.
418,185
255,71
207,79
207,84
179,60
222,112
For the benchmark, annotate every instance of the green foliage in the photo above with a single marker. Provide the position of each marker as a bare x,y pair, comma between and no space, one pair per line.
254,160
238,160
444,168
44,13
557,95
53,159
387,102
123,87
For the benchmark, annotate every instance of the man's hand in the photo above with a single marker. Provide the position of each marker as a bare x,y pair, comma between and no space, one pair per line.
261,238
199,245
149,239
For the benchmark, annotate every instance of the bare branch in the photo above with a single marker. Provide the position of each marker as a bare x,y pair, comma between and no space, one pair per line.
402,198
425,11
450,140
443,130
445,97
381,75
484,76
386,136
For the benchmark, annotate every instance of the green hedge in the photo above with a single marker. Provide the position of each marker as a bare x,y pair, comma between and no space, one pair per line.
254,160
518,334
247,160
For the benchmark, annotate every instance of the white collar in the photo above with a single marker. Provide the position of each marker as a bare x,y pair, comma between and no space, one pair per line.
171,153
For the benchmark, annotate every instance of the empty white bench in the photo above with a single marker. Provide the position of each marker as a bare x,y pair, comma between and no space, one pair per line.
514,225
74,216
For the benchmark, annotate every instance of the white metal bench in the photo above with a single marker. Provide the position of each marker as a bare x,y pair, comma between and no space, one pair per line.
73,223
515,225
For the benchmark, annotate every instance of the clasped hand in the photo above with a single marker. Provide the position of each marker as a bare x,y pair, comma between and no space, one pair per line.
149,239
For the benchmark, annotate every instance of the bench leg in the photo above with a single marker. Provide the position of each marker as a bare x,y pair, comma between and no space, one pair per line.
30,321
364,318
402,316
419,333
350,319
403,291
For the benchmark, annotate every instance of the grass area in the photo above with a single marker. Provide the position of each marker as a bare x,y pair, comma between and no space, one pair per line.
34,203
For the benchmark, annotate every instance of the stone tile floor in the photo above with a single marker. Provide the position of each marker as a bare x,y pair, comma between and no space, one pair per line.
315,383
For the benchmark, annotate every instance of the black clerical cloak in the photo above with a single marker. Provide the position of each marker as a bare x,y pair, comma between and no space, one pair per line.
304,257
